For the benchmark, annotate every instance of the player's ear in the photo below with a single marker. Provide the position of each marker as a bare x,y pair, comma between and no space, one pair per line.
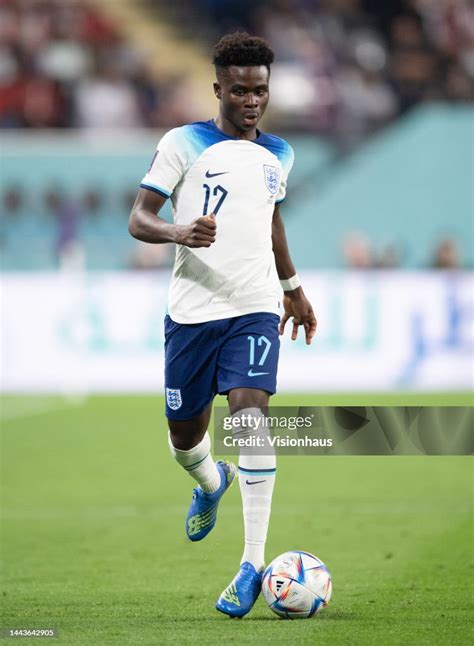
217,90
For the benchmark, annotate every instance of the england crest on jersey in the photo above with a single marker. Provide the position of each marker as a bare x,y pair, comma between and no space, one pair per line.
173,398
272,178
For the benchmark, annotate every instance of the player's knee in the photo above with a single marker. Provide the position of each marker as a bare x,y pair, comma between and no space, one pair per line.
243,398
184,439
186,434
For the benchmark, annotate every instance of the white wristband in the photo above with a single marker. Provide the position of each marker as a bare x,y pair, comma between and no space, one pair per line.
289,284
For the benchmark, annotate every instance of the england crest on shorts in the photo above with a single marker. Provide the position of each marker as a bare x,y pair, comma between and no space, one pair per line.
173,398
272,178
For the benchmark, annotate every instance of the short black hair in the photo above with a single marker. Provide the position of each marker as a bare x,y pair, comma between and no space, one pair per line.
242,50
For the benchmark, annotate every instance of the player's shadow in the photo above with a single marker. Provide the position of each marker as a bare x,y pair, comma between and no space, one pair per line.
338,615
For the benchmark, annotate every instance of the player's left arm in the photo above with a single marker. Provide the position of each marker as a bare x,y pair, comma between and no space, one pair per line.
295,303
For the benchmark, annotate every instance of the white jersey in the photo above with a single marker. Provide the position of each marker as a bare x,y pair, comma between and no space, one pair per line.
205,171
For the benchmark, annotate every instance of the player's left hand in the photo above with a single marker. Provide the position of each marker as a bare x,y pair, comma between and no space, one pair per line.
297,305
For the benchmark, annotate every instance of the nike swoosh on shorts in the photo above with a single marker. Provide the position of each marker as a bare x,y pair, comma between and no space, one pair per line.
251,373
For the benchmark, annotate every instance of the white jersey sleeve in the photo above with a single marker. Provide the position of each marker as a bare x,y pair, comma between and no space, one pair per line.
169,164
287,159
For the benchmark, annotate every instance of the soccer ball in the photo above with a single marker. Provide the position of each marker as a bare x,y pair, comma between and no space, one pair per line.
296,585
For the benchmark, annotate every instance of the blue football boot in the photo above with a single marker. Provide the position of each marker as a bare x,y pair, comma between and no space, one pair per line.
202,513
238,598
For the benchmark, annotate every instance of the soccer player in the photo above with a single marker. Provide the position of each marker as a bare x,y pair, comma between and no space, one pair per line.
226,180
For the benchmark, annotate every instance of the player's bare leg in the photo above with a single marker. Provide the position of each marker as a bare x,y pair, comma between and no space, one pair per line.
190,445
256,480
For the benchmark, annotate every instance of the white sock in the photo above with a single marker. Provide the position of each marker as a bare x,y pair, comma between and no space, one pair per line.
199,464
256,480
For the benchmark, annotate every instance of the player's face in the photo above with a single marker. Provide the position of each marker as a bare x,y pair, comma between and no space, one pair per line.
243,95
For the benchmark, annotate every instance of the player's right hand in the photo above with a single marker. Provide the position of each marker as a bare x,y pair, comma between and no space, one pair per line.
200,233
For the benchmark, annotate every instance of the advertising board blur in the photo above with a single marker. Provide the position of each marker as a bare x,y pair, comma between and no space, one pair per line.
103,332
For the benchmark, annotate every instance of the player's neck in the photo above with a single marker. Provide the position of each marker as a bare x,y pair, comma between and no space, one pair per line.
229,129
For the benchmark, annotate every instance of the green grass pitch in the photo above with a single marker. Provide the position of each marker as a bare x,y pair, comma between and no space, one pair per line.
93,538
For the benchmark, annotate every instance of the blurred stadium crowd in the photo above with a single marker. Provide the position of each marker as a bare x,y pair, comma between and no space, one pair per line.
347,67
343,67
62,61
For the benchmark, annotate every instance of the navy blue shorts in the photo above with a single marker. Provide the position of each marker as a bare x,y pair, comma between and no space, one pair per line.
205,359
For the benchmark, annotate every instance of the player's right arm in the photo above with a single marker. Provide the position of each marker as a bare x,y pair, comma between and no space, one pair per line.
146,225
168,166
